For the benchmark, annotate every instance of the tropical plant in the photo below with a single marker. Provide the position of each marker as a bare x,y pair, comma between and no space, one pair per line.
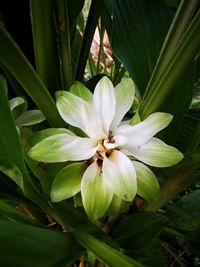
74,187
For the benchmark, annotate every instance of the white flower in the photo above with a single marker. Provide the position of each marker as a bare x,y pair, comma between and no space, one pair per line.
113,151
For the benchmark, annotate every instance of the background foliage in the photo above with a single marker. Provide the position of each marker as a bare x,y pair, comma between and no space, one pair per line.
45,47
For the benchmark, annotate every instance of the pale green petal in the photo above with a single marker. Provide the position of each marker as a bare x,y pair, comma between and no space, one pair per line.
120,175
104,102
30,117
147,183
39,136
117,205
80,90
125,92
63,147
96,195
158,154
67,182
142,132
15,102
79,113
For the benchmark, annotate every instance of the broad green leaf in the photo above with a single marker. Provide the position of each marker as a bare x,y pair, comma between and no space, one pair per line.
67,182
138,46
12,171
15,62
80,90
45,43
10,147
110,256
139,230
183,55
10,212
25,245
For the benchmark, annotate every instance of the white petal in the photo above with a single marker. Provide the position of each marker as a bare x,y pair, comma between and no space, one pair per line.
147,183
120,175
104,102
79,113
142,132
63,147
156,153
96,195
119,141
125,92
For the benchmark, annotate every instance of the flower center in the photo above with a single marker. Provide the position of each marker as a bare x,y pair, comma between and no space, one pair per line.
105,148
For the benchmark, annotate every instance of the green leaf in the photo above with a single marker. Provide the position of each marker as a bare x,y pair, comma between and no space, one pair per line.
63,32
15,62
9,212
10,147
12,171
67,182
92,21
133,45
25,245
182,57
110,256
80,90
134,231
45,45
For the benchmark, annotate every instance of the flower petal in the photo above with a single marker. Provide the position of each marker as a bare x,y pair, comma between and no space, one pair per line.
15,102
125,92
120,175
79,113
158,154
147,183
39,136
67,182
117,205
63,147
142,132
104,102
80,90
96,195
30,117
